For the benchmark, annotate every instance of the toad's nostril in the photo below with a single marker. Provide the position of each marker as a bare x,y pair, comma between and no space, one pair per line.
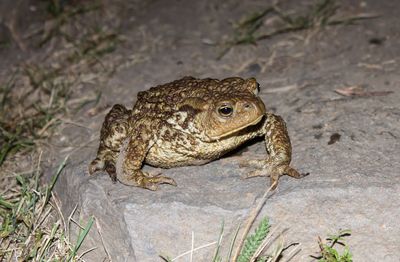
247,106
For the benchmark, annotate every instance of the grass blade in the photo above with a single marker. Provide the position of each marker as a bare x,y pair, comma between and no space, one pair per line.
216,255
81,237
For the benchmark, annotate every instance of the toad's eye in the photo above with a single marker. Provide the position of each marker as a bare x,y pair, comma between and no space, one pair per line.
225,110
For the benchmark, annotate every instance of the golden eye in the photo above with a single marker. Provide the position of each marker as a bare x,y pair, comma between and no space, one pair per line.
225,110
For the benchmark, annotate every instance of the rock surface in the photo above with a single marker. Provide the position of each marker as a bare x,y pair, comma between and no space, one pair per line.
354,181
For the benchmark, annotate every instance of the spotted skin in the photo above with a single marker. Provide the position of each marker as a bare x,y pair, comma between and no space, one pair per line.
190,122
113,132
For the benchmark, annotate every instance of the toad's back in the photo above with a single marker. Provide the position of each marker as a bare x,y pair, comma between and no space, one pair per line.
189,87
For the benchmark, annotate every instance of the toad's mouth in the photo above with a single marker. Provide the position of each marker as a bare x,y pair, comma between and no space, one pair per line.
256,121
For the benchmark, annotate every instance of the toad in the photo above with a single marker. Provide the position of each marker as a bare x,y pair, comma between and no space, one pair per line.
190,122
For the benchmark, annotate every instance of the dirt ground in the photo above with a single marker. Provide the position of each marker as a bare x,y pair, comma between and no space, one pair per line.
336,85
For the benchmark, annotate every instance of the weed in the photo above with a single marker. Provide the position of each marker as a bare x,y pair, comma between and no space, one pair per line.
254,241
26,114
31,229
318,15
62,17
330,254
36,97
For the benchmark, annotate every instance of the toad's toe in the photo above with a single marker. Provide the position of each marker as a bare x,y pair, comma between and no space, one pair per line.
95,166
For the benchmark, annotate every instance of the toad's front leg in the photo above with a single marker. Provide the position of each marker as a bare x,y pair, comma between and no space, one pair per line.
279,148
130,161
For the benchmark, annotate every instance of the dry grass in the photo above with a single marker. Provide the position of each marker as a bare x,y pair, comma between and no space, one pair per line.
72,50
41,92
32,226
252,28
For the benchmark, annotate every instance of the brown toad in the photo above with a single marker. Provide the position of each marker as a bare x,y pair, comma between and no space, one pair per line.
190,122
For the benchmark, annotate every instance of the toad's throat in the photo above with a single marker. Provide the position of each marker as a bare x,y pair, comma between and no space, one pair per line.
237,129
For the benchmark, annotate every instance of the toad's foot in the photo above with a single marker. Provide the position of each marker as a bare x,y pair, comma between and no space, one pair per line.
145,180
100,165
271,169
96,165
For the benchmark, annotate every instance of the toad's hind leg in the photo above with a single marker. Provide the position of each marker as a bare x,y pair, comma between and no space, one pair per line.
113,132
